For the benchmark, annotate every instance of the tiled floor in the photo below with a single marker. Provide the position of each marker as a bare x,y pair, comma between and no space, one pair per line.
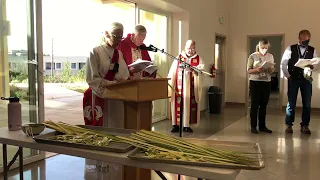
289,157
293,157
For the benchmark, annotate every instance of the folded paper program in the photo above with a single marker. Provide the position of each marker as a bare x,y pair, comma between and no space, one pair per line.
150,69
145,66
267,65
302,63
141,64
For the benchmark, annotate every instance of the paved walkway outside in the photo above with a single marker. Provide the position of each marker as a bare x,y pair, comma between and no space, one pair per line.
61,104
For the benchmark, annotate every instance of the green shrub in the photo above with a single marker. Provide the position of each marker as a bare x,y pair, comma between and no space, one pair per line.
17,77
66,76
22,93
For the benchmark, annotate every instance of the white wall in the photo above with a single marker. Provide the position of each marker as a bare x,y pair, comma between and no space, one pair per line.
200,23
247,17
243,18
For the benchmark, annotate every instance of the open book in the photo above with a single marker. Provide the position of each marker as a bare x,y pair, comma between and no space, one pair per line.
302,63
146,66
140,64
150,69
267,65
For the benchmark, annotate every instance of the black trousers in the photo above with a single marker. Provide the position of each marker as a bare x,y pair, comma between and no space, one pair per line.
260,93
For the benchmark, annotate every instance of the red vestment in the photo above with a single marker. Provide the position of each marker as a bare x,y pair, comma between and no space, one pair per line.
191,111
126,47
93,108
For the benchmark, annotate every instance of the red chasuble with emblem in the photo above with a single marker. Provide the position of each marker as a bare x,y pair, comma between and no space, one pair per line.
188,94
93,107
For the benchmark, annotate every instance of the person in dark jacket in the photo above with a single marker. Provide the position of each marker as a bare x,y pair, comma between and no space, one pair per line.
299,78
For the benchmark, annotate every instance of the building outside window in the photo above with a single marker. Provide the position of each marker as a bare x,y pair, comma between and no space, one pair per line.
81,65
48,66
74,66
58,66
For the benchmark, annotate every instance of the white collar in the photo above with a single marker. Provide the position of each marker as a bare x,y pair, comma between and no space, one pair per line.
183,54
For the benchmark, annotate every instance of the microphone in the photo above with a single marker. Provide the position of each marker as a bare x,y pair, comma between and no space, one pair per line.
149,48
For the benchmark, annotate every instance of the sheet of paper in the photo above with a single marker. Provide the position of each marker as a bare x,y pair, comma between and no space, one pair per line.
267,65
302,63
151,69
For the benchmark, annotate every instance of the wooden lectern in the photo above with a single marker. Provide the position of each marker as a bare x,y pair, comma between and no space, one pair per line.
135,110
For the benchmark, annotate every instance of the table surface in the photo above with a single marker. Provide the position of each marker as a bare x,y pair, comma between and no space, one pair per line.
18,138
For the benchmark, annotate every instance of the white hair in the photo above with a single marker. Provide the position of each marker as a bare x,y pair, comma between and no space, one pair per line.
114,26
140,29
111,28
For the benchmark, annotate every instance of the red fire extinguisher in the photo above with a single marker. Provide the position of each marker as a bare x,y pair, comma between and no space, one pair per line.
213,71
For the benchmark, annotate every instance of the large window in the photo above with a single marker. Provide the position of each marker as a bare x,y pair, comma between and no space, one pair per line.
156,25
20,79
71,29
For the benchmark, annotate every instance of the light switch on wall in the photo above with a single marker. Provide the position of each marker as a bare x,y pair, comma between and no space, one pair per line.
221,20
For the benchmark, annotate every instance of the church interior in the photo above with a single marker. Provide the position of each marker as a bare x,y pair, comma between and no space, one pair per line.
226,32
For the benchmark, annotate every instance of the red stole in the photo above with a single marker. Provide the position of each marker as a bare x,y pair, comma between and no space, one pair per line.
93,108
126,46
193,105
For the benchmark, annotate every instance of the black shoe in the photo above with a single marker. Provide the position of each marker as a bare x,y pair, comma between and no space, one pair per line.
187,129
305,129
254,130
289,129
175,129
265,129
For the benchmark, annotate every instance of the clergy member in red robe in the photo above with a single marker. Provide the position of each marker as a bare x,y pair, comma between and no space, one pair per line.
105,66
190,92
131,52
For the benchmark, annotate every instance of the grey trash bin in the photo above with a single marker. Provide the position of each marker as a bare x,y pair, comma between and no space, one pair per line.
215,100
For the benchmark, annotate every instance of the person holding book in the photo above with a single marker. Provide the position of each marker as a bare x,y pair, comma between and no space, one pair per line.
105,66
132,51
260,85
299,78
190,91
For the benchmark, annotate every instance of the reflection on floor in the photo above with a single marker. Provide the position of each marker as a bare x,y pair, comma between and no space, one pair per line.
274,100
12,150
294,157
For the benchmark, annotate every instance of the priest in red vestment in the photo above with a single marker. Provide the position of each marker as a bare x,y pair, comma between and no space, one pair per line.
190,92
131,52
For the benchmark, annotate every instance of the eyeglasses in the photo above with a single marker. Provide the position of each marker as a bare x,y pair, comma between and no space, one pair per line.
117,37
190,49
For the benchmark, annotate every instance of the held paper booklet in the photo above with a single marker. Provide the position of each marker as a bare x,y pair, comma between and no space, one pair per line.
146,66
267,65
150,69
141,64
302,63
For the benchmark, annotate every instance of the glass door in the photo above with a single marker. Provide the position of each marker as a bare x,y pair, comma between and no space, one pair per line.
66,48
20,42
156,25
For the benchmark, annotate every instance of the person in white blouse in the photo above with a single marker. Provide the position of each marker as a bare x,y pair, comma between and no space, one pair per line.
299,78
260,85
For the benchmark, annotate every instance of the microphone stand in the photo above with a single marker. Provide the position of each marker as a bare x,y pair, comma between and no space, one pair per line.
183,65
